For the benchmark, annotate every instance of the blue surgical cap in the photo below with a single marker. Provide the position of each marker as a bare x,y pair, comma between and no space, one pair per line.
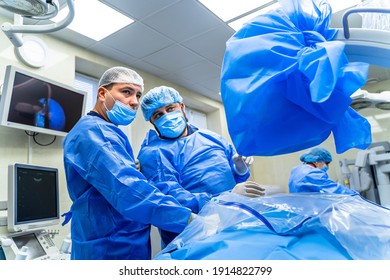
316,155
158,97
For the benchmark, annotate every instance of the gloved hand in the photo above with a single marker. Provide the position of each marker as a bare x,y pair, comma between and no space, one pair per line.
249,189
241,164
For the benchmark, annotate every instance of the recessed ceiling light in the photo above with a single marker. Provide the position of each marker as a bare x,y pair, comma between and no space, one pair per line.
360,103
95,19
383,105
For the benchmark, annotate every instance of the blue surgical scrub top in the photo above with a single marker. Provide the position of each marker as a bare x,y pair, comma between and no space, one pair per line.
113,203
199,163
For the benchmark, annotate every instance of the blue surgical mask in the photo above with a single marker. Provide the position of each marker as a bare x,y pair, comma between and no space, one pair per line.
325,168
120,114
171,125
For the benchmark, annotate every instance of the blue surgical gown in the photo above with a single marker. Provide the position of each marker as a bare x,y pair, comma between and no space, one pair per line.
113,204
200,163
305,178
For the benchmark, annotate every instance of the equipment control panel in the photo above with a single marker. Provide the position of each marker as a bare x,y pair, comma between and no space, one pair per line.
32,245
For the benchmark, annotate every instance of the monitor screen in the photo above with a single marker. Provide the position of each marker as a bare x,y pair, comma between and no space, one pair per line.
33,197
37,104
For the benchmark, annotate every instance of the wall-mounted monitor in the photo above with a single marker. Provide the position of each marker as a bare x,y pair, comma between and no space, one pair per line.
33,197
37,104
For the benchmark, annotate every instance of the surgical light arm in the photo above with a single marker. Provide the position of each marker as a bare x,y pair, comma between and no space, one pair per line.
12,30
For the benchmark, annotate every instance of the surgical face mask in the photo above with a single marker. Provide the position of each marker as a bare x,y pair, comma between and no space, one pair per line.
120,114
325,168
171,125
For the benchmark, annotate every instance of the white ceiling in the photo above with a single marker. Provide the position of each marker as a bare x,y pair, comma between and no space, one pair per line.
180,41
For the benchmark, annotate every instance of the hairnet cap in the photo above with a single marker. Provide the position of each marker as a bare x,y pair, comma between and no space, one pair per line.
158,97
120,74
316,155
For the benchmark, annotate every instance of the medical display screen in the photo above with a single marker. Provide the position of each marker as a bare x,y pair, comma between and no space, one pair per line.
37,104
43,104
36,194
33,197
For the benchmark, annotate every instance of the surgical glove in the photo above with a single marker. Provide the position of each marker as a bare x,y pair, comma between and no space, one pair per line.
249,189
241,164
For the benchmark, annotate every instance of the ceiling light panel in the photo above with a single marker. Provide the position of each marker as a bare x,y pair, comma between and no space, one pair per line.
95,19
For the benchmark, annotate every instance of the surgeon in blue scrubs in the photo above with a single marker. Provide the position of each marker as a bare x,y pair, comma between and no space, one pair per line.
184,156
113,203
312,175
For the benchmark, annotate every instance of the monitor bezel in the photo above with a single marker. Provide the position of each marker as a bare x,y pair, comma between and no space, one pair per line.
12,221
6,98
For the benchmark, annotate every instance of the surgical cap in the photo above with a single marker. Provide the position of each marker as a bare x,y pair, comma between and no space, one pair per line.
120,74
316,155
158,97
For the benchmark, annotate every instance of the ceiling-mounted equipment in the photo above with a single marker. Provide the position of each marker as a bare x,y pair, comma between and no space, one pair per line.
31,50
362,99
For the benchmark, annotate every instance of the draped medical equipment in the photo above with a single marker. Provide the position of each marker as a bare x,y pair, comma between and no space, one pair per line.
369,173
286,83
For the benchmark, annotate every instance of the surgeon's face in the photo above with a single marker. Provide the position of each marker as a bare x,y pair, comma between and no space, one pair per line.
158,113
128,94
321,164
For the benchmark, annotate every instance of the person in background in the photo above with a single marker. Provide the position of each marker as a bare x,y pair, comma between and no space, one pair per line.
183,156
312,175
113,203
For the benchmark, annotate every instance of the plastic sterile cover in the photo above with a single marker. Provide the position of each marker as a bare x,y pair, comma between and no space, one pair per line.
286,83
304,226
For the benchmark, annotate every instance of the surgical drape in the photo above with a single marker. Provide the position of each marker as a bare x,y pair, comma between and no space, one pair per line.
299,226
286,84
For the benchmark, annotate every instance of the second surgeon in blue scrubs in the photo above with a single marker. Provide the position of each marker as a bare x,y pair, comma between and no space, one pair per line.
311,176
180,154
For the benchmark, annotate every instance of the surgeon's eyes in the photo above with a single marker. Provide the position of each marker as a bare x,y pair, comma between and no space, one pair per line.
156,116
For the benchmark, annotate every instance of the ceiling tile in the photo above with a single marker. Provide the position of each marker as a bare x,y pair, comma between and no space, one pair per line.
137,9
211,44
213,84
212,94
114,54
146,67
173,58
183,20
137,40
200,71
